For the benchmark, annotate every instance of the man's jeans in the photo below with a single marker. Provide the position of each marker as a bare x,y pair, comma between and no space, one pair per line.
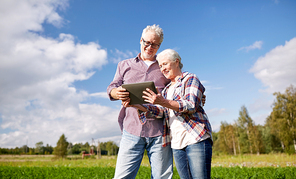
194,161
131,153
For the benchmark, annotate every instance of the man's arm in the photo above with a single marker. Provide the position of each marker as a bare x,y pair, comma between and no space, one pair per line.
114,90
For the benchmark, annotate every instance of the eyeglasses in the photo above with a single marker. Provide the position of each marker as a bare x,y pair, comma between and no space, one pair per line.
147,44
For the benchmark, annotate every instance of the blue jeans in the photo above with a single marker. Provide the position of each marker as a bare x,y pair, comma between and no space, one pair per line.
194,161
131,153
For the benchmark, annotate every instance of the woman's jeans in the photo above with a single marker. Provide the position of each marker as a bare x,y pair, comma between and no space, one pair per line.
194,161
131,152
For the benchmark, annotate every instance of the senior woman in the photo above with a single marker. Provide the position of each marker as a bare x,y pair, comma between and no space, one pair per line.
186,125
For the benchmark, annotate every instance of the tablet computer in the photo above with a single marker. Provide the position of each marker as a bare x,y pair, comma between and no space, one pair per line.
136,91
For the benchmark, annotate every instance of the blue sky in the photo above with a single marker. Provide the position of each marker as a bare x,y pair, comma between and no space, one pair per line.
59,56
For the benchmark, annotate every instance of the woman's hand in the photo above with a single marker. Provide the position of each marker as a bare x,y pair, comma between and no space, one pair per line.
138,106
150,97
126,103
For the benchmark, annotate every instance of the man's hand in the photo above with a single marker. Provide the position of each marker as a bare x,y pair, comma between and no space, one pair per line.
203,100
120,93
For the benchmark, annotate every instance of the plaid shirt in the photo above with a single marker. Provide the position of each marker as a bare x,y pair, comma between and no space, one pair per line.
188,92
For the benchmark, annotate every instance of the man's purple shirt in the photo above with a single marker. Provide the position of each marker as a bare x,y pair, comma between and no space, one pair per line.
135,70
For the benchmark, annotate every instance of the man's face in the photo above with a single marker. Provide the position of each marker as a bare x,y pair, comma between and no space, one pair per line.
152,42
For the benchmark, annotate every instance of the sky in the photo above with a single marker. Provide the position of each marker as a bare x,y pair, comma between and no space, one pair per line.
57,58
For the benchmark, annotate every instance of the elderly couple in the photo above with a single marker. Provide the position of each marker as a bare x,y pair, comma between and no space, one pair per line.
172,123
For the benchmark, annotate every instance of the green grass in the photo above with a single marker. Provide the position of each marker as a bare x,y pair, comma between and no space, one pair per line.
263,160
49,161
260,173
223,166
266,160
7,172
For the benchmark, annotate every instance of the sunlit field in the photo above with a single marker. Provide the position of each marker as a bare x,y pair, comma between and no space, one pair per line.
225,166
269,160
264,160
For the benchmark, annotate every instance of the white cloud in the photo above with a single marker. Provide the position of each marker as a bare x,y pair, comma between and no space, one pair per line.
276,70
261,108
28,15
209,87
100,95
262,103
118,55
79,124
38,101
216,112
260,119
215,115
115,139
255,45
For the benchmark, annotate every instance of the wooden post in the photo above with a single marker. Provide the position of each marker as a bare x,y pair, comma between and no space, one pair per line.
99,151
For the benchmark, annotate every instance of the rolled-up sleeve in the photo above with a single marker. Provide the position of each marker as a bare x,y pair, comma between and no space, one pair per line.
193,92
153,111
117,81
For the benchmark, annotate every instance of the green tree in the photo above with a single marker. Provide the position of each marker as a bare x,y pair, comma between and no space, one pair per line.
69,148
85,147
244,124
257,140
225,139
270,137
216,142
31,151
109,148
39,147
25,149
76,149
48,149
60,151
283,118
250,137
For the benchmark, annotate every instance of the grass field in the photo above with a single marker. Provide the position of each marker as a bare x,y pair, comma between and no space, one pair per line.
44,166
270,160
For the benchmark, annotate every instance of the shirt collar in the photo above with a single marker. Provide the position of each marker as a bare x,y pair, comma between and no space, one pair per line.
138,57
184,74
179,80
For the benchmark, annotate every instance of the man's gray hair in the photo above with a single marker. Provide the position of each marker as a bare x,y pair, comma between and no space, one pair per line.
156,29
171,55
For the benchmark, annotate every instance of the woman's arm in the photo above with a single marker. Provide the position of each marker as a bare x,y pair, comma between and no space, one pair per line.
153,98
191,100
146,110
138,106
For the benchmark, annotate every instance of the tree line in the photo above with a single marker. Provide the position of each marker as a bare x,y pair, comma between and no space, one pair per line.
62,148
278,134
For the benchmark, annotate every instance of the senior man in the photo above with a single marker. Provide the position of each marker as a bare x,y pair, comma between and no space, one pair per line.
136,138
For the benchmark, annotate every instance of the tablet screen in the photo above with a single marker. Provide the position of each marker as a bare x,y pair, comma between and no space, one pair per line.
136,91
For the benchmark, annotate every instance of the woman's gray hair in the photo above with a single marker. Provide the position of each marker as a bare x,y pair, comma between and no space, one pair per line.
156,29
171,55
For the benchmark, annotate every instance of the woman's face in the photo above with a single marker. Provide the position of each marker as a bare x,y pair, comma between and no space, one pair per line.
170,69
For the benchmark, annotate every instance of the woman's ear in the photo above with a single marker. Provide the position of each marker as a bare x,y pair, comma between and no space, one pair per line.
177,62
